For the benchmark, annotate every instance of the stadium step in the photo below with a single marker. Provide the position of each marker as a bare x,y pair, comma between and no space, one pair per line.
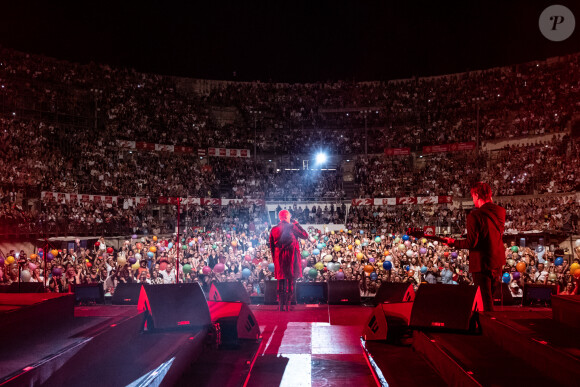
349,188
390,360
534,336
474,360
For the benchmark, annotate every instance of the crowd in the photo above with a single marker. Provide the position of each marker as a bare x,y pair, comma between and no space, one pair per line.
124,218
226,254
104,168
67,219
305,185
551,214
60,124
545,167
536,215
515,101
333,214
559,214
392,218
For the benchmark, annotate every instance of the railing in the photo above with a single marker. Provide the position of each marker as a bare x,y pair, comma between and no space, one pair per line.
65,229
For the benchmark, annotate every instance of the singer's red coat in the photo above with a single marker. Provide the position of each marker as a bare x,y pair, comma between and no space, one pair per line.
286,249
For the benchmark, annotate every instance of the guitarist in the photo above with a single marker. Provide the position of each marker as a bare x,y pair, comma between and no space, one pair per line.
485,228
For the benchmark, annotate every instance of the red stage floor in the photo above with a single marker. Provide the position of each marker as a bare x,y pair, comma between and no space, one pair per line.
313,345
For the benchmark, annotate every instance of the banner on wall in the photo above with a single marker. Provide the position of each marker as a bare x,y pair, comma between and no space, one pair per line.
397,151
257,202
164,148
61,197
140,200
144,146
454,147
147,146
225,152
362,202
429,230
126,144
385,202
402,200
182,149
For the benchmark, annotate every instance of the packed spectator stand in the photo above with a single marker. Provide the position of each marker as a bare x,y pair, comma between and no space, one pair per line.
228,255
62,125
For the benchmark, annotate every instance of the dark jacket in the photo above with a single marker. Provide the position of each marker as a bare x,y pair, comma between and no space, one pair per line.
485,228
286,249
212,260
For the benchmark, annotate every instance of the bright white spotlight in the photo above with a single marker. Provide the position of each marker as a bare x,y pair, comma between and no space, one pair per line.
321,158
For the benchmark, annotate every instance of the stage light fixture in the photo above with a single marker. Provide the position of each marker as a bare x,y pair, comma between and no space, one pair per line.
321,158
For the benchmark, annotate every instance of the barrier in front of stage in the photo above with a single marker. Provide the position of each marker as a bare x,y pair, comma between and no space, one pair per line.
126,294
538,294
343,293
89,293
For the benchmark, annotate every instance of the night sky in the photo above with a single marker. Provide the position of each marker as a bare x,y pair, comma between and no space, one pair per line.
288,41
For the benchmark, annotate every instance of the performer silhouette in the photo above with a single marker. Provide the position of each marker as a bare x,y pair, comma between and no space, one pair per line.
286,256
485,228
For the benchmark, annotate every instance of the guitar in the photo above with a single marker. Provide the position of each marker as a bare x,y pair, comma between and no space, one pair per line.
419,233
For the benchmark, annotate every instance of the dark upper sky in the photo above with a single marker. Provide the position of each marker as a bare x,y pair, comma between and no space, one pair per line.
293,41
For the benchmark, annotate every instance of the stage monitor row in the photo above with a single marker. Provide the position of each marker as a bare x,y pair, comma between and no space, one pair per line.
333,293
173,306
23,287
435,307
339,292
184,307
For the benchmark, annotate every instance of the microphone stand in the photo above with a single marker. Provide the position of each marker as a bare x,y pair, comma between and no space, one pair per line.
3,256
178,243
21,263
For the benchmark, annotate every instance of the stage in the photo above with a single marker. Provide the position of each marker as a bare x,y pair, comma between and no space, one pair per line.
313,345
98,345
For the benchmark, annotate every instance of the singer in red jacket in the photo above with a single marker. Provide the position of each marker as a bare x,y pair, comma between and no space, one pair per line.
286,256
485,228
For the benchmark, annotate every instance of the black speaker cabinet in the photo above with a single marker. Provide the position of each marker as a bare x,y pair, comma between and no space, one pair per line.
229,292
343,293
25,287
394,292
89,293
538,295
386,318
311,292
502,295
271,293
446,307
173,306
126,294
236,321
